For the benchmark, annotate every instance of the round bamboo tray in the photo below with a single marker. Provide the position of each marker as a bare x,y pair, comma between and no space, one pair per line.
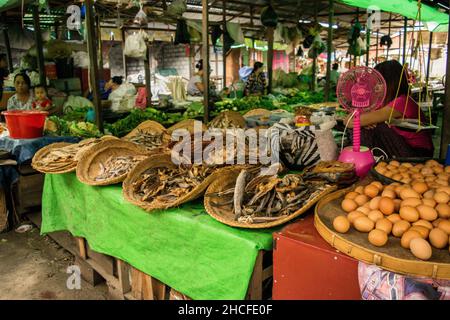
258,112
234,117
148,127
45,151
391,257
225,214
88,168
187,124
161,161
86,144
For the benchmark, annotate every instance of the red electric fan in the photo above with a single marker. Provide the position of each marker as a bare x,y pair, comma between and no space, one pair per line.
359,90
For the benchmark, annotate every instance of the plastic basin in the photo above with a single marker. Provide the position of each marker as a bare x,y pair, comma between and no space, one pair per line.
25,124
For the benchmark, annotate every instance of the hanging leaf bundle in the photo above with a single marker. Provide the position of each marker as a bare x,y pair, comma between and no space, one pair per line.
216,32
227,41
182,34
386,41
269,17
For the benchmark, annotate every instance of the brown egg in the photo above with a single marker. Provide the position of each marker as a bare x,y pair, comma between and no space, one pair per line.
426,171
443,210
427,213
366,205
359,189
352,216
432,163
420,187
408,193
363,224
438,170
429,194
429,179
371,191
374,203
422,230
377,184
421,248
364,210
394,163
417,176
391,168
397,204
351,195
438,238
389,194
341,224
445,226
397,177
407,237
407,165
436,222
375,215
381,164
402,169
381,170
441,182
447,169
444,189
361,199
406,180
441,197
349,205
378,237
384,224
419,166
386,206
429,202
409,214
411,202
414,170
423,223
394,218
400,227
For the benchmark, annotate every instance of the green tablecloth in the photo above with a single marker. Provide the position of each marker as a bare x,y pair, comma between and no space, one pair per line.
183,247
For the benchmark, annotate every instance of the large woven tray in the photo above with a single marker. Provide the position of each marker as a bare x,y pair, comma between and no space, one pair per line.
225,214
43,152
391,257
89,166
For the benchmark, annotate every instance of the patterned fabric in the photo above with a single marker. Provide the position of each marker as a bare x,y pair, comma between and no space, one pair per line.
256,83
379,284
15,104
297,146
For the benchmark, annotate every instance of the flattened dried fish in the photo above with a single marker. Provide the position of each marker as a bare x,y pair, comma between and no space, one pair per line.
239,193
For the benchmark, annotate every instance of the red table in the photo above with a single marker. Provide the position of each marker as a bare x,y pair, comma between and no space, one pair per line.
307,267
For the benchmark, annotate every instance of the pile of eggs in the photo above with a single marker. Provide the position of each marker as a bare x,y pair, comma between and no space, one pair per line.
432,173
420,216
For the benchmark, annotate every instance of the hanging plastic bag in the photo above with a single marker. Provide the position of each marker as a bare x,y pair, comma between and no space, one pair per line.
269,17
278,34
176,9
141,17
182,34
135,46
235,31
227,41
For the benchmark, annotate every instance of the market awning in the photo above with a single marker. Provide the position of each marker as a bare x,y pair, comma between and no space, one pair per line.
436,20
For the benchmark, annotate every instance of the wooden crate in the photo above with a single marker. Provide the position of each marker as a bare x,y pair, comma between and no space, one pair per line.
127,282
27,192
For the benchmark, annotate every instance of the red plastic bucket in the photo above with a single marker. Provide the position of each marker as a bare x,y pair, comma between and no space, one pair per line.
25,124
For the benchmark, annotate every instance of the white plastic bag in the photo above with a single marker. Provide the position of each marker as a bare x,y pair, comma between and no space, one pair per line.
80,59
141,17
135,46
123,98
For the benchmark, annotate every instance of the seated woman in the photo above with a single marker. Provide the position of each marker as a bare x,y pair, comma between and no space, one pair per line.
23,98
395,141
256,83
195,86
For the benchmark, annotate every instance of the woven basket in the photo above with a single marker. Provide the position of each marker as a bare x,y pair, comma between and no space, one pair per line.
89,166
235,117
225,214
86,144
44,152
258,112
161,161
186,124
391,257
149,126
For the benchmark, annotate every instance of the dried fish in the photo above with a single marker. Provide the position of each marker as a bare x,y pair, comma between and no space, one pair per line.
117,166
239,193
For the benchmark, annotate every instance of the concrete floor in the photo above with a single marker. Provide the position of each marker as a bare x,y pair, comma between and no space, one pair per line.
34,267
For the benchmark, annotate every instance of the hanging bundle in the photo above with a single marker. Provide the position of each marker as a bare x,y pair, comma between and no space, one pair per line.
308,41
182,34
141,17
216,32
300,52
386,41
176,9
269,17
317,48
227,41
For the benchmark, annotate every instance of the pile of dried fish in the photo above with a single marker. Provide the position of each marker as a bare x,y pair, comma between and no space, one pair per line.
228,120
148,140
164,185
117,166
335,172
257,198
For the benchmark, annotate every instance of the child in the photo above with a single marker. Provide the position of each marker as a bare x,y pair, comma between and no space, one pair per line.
41,102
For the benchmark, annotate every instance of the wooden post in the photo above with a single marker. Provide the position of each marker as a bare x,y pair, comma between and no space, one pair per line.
445,138
39,45
270,32
125,71
429,59
378,44
224,57
93,74
100,47
8,50
405,29
205,57
389,33
148,79
329,45
367,45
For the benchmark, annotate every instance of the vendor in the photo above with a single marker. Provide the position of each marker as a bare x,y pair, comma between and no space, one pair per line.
393,140
195,86
23,98
256,83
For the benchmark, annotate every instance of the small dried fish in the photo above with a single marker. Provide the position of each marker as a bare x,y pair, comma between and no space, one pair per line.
117,166
239,193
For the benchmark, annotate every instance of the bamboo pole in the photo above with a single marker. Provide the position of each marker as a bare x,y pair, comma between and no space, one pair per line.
329,45
100,47
205,57
270,32
389,33
148,72
378,44
93,72
445,138
224,57
39,45
405,29
429,59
